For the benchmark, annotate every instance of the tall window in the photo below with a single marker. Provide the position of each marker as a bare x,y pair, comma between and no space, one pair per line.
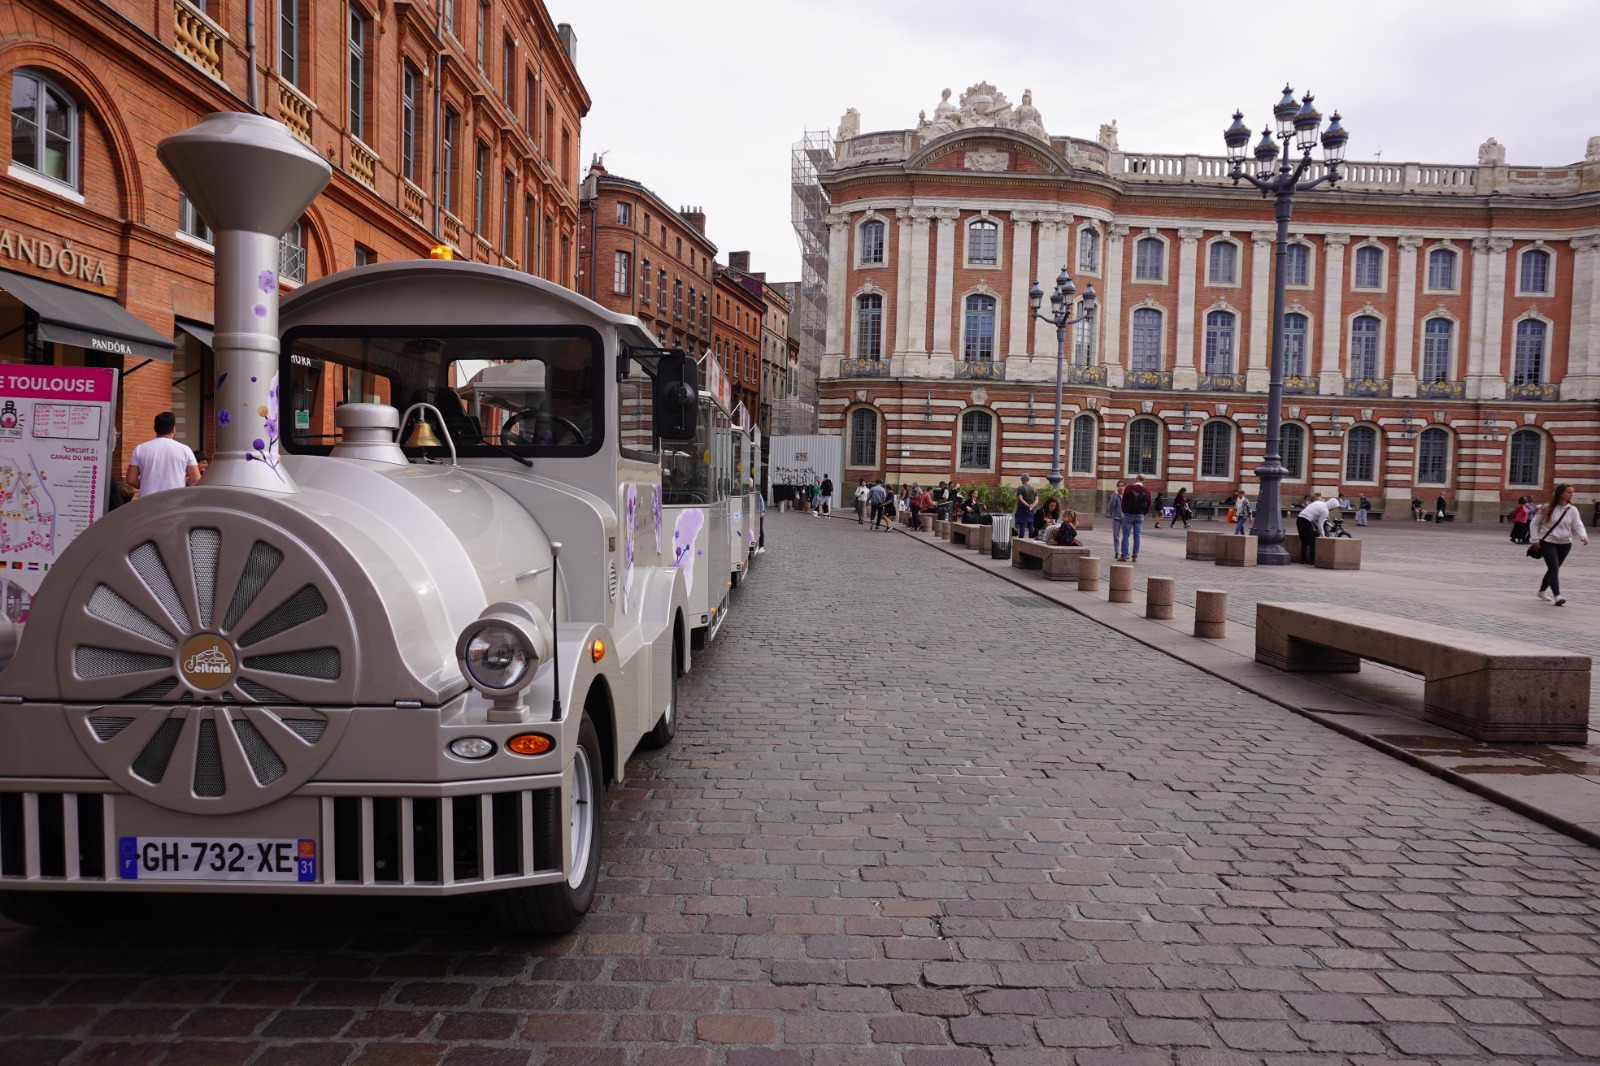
978,342
1527,366
1361,454
1433,456
44,128
1292,445
622,271
483,35
624,213
869,326
1364,347
1294,344
507,184
450,14
1369,267
872,242
1144,447
983,242
409,80
661,289
508,61
292,254
644,282
528,110
447,161
1147,339
529,261
863,437
1147,256
1297,265
1526,460
1224,263
1442,270
1083,342
1437,334
479,165
977,440
289,41
1216,450
189,220
1535,274
677,297
1089,250
358,73
1082,458
1219,341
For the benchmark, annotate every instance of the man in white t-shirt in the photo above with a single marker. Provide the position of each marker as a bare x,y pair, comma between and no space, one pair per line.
1310,520
163,463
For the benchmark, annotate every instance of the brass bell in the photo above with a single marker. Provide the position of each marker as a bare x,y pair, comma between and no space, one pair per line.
423,436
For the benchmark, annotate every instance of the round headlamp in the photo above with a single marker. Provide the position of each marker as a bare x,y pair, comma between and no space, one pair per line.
500,651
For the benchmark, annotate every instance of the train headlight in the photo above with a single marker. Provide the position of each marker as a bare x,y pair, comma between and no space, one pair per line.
500,652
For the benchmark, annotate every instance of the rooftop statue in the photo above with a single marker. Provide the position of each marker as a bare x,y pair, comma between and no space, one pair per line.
850,124
983,106
1491,153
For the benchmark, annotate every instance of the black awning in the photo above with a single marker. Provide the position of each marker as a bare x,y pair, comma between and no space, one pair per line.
204,334
84,320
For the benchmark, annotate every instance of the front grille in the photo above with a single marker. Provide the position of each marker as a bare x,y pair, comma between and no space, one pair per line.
208,777
148,564
441,840
264,762
205,549
90,661
298,609
313,662
151,763
53,834
258,570
105,602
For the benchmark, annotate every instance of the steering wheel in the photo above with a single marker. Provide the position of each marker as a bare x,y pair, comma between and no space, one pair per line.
566,424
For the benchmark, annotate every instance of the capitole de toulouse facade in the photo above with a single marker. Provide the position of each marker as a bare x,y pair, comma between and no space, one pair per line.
1443,321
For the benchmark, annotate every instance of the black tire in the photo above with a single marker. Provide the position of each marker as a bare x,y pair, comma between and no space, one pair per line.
666,726
61,910
545,910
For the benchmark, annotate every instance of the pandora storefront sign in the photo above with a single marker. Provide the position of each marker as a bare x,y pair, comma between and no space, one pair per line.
47,254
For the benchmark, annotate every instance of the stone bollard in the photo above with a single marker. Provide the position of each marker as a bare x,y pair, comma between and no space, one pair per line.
1210,613
1158,597
1088,574
1121,583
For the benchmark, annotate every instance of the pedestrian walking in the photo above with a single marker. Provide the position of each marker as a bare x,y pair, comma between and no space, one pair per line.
875,498
825,497
1180,509
891,509
1310,522
1114,506
163,463
1027,507
1135,505
1362,508
1556,524
1521,516
862,494
1438,510
1242,512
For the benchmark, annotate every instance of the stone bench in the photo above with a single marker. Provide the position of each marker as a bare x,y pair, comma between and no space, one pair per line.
1338,553
1056,563
1200,545
1491,688
973,536
1236,550
941,528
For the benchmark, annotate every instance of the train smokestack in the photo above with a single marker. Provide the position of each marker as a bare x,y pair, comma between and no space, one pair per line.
250,179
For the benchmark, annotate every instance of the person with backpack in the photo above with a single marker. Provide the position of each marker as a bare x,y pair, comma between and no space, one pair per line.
1135,505
824,497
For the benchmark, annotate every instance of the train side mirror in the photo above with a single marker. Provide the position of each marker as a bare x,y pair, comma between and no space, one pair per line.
677,397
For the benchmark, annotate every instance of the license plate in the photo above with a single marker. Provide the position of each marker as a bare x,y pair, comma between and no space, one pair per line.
222,859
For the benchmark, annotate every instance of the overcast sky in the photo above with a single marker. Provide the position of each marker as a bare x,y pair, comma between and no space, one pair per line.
701,100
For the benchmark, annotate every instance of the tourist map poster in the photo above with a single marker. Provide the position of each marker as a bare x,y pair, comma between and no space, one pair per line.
55,454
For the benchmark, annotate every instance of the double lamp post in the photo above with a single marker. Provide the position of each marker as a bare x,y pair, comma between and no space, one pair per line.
1064,312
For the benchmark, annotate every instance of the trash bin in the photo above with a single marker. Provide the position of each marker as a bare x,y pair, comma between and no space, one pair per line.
1000,537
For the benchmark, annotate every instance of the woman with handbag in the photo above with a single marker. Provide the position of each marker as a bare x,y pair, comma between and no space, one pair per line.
1555,524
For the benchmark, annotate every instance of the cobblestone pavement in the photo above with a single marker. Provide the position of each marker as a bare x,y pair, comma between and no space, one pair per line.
914,814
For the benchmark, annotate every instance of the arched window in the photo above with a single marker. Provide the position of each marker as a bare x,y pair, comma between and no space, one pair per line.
44,128
1216,450
1224,263
1527,366
1526,459
1534,277
1082,459
1433,456
1294,344
292,254
872,242
977,343
983,242
1147,256
869,326
864,437
977,441
1144,446
1219,341
1361,454
1364,347
1436,343
1146,339
1089,250
1292,444
1369,268
1442,270
1297,265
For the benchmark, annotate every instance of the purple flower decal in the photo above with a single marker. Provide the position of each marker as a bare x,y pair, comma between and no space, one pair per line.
259,445
224,416
268,281
253,378
271,426
260,310
220,379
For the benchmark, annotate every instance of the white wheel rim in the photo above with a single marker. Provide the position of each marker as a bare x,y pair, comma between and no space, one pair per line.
584,815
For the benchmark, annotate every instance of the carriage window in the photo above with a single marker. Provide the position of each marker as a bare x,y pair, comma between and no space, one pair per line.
534,392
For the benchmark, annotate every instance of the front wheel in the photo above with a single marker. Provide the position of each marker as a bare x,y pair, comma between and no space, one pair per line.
666,726
550,909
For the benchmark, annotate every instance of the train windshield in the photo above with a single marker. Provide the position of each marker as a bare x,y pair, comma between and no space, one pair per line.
535,392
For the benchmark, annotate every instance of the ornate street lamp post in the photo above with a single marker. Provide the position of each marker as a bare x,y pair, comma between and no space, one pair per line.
1062,306
1279,178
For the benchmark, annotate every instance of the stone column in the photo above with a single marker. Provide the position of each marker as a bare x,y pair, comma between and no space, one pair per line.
1331,378
944,282
917,313
1044,338
1582,380
1185,374
1486,380
838,279
1110,312
902,282
1258,375
1404,373
1021,277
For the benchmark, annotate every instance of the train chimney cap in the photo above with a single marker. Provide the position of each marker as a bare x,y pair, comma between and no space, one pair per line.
245,172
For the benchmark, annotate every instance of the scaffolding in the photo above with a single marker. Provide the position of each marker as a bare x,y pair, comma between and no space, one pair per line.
808,210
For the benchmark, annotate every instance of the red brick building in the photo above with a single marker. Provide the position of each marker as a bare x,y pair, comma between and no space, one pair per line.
453,124
737,316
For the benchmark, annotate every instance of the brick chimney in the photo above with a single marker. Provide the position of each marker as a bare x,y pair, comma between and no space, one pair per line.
696,217
739,262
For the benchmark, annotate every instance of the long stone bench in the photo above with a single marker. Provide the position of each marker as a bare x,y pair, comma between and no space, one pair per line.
972,535
1491,688
1057,563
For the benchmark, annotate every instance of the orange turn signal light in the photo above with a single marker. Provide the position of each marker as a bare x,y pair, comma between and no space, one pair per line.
441,251
597,650
529,744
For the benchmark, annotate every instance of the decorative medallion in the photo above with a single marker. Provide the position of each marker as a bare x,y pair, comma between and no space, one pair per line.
206,662
980,397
